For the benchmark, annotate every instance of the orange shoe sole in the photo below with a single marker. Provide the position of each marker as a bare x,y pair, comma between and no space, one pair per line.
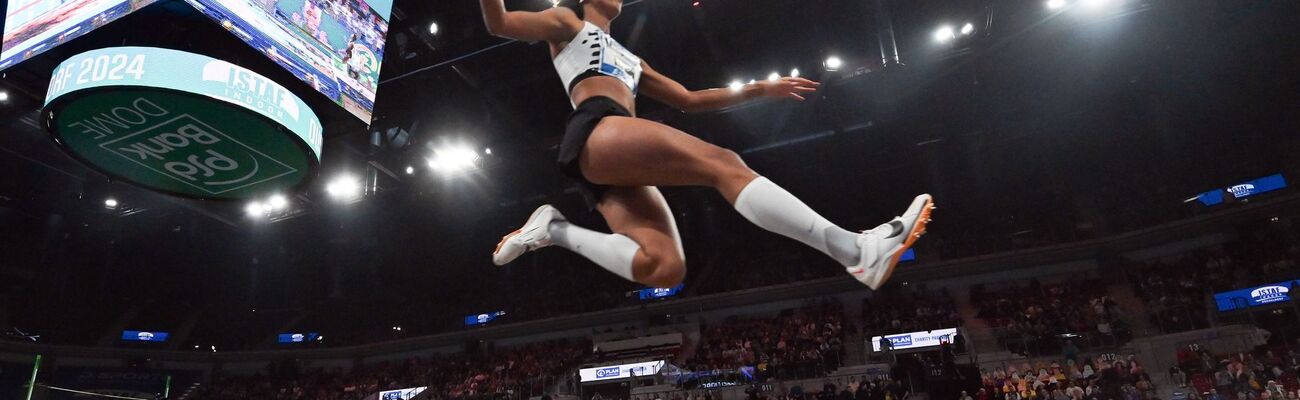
918,230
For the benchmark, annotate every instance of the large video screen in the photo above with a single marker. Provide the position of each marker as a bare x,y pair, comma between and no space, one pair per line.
34,26
335,46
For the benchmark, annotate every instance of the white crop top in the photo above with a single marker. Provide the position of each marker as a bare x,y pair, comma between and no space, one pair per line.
594,52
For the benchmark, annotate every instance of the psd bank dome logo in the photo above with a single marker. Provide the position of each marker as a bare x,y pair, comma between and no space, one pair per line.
297,337
483,318
144,336
181,123
1269,294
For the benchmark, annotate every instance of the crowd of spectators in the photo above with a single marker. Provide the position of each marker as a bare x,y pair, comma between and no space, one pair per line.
1268,373
802,342
902,309
1031,318
1175,288
1104,377
514,373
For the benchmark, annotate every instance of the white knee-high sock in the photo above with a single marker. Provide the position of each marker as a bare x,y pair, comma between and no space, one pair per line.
613,252
771,207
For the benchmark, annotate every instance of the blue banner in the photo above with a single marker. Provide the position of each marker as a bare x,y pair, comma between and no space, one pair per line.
1241,299
143,336
480,319
298,337
909,255
659,293
1242,190
1261,185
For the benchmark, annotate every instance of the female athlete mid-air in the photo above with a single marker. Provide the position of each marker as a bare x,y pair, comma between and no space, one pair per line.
618,160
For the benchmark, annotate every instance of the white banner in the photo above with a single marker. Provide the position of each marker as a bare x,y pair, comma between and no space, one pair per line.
620,371
916,339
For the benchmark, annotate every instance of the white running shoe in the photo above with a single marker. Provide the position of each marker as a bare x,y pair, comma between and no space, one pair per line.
884,245
535,234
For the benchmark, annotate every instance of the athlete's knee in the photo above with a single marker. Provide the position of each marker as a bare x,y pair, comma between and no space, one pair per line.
727,166
668,271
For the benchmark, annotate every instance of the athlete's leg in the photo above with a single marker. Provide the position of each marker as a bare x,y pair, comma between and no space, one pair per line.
642,214
635,152
644,247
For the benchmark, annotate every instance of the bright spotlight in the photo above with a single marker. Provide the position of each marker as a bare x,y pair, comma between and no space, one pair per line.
433,28
833,63
735,85
4,95
773,77
110,203
1055,4
487,150
410,170
278,202
344,187
794,73
967,29
254,209
944,34
453,159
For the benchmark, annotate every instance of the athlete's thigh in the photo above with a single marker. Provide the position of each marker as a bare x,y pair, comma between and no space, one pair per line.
641,213
624,151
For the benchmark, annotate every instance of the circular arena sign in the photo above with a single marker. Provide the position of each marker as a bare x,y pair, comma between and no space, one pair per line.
182,123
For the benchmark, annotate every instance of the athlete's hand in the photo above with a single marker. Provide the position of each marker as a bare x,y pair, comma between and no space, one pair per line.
788,88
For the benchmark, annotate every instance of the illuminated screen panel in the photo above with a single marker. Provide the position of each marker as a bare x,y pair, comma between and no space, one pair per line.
334,46
34,26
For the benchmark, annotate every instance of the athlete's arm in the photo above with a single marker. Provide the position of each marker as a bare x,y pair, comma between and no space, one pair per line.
553,25
672,93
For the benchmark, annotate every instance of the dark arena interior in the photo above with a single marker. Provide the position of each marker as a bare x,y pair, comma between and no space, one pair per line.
1115,218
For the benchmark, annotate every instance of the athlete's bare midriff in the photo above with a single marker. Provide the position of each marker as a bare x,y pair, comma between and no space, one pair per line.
606,86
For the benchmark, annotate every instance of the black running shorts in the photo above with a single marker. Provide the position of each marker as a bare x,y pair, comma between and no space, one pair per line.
581,123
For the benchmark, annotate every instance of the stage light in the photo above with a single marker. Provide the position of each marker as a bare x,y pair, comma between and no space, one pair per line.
833,63
254,209
344,187
967,29
794,73
433,28
453,159
1096,3
278,202
487,150
267,208
4,95
735,85
410,170
555,3
944,34
1055,4
110,203
773,77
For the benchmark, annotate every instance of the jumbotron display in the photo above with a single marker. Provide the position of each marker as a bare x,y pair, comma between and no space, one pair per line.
34,26
334,46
